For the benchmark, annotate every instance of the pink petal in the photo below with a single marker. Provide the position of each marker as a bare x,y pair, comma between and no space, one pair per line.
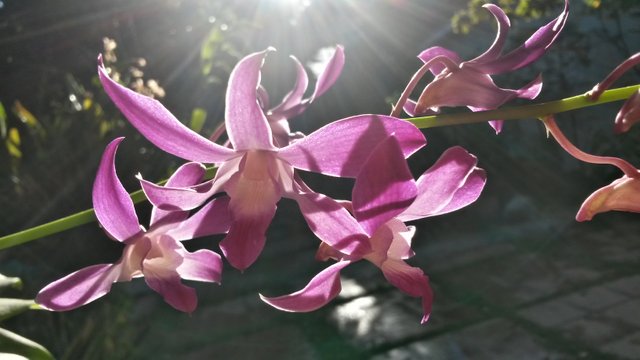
438,187
213,218
202,265
621,195
400,246
465,87
323,288
468,193
410,280
178,198
111,202
174,292
434,52
530,51
246,122
78,288
504,24
410,108
330,74
159,126
254,195
187,175
294,97
332,223
384,187
160,273
496,125
532,89
341,147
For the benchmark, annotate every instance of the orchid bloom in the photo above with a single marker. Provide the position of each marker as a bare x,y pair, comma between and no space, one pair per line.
384,197
293,103
622,194
469,83
254,172
629,114
157,253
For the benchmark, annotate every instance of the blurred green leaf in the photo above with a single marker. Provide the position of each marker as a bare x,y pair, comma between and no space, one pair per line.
209,49
28,118
13,143
6,281
13,343
3,121
198,116
13,307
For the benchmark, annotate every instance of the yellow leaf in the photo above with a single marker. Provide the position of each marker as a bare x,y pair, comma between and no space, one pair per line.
28,118
13,143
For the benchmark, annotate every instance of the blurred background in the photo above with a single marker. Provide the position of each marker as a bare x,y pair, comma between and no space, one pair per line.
514,275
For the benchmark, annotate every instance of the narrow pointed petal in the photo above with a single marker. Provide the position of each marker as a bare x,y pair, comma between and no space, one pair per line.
213,218
323,288
384,187
159,126
438,186
621,195
178,198
496,125
78,288
173,291
330,74
202,265
434,52
294,97
246,123
504,24
332,223
341,148
111,202
186,175
530,51
410,280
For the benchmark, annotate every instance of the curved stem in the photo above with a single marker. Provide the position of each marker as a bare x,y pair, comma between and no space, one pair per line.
526,111
621,164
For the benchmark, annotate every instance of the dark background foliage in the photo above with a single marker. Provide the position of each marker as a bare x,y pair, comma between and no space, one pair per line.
57,121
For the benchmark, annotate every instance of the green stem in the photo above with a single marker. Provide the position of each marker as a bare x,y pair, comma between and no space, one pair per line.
69,222
526,111
508,113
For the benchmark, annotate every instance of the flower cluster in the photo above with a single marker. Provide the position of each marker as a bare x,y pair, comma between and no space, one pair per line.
258,167
262,160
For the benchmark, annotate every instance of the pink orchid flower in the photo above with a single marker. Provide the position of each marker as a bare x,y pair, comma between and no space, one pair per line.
255,173
629,114
469,83
622,194
157,253
384,197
